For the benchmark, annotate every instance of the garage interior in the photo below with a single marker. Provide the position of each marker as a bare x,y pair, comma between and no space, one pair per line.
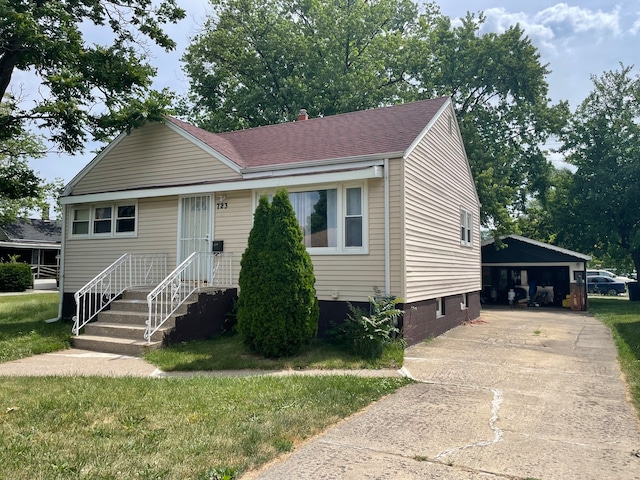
521,271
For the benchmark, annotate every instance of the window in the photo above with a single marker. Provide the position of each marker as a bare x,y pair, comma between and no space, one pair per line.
353,218
317,214
80,222
466,227
333,220
439,307
104,220
465,299
126,219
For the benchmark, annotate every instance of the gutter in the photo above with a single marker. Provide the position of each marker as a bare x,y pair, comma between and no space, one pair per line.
61,270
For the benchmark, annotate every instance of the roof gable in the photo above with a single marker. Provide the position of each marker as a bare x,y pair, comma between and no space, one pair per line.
524,250
376,131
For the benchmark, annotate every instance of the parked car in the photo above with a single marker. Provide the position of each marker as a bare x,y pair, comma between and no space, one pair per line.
607,273
605,285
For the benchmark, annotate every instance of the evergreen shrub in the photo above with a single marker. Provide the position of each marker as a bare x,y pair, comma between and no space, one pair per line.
277,306
15,277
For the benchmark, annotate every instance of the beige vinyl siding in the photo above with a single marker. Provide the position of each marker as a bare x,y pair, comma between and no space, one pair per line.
350,276
157,233
354,277
437,185
151,156
233,224
396,226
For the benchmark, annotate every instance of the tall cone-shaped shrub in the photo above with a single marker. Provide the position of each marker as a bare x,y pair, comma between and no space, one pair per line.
250,280
282,291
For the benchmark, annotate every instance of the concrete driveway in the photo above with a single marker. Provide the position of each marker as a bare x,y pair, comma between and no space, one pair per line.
523,394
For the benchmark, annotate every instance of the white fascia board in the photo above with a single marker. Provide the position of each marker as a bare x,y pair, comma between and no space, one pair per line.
251,184
318,166
200,144
41,246
448,105
426,129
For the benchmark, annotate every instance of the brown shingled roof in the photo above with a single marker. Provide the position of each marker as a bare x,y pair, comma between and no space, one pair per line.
368,132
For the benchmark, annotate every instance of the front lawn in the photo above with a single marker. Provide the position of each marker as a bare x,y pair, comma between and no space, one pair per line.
195,428
23,331
623,318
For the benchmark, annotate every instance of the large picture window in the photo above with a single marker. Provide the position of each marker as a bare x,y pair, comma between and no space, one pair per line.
332,220
104,220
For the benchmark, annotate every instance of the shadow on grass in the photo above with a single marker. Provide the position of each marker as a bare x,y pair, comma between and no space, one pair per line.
230,353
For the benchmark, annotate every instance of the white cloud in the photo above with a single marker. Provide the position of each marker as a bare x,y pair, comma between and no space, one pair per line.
499,20
580,19
636,26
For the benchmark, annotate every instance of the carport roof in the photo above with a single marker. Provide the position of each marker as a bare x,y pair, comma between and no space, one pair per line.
524,250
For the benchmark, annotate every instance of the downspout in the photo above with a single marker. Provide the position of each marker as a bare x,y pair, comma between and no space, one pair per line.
387,233
63,241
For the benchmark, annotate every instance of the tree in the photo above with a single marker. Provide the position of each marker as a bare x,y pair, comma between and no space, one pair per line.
499,90
258,62
87,89
252,288
603,141
277,307
21,191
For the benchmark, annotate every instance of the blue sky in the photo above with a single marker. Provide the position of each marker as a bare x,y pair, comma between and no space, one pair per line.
576,39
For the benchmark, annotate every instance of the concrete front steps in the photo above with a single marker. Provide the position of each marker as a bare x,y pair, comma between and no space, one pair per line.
121,328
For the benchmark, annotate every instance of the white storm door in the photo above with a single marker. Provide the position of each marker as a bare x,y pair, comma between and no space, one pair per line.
196,221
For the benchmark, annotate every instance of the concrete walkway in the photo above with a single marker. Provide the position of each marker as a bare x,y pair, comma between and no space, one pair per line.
523,394
532,393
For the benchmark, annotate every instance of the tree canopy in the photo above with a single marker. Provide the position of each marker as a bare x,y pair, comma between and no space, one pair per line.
603,141
259,62
86,89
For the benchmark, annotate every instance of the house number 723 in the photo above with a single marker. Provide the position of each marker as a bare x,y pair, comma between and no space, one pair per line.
222,206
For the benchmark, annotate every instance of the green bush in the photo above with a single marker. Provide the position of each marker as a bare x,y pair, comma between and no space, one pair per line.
277,306
367,335
15,277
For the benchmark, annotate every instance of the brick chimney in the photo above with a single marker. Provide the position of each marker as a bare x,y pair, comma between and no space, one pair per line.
303,115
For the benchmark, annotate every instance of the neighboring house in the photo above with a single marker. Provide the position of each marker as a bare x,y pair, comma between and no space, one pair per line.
520,263
385,198
33,241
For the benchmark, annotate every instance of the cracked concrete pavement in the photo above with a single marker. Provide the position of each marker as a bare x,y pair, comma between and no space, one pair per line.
522,394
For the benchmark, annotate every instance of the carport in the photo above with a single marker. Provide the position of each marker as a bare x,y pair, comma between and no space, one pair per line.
536,272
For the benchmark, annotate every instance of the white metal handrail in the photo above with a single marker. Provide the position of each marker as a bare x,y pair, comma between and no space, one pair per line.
127,271
197,271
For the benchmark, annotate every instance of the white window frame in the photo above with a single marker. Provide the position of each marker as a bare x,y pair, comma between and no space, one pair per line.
440,307
466,227
113,233
465,301
340,248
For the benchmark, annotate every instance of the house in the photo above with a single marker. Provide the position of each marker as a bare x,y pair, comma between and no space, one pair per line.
519,263
390,189
33,241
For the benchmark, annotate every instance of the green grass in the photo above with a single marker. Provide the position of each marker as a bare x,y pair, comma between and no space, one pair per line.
229,353
104,428
22,329
623,317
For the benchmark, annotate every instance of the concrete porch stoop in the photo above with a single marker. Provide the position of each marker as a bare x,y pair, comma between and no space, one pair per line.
121,329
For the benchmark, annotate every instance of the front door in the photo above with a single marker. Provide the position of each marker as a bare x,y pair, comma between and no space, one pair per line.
196,219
